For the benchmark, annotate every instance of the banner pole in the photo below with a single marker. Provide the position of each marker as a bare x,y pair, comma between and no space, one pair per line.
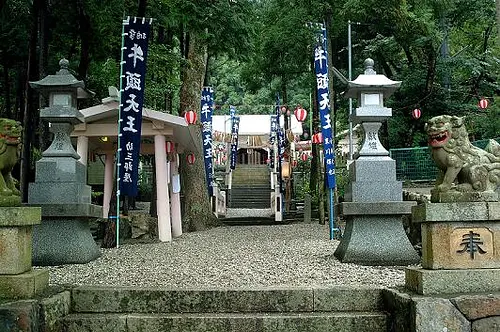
332,215
118,150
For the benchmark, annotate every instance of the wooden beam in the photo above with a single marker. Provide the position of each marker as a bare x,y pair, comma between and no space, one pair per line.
104,129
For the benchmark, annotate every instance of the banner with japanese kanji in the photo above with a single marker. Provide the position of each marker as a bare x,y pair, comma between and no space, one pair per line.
207,107
321,70
235,127
281,144
232,111
272,139
133,70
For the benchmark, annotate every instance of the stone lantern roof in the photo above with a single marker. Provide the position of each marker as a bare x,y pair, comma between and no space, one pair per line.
62,80
370,81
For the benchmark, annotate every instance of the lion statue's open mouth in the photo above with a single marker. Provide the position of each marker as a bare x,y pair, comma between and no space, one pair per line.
439,139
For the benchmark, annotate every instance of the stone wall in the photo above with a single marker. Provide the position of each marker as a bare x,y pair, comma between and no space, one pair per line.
465,312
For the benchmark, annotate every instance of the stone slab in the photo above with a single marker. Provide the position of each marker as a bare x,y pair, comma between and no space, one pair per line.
436,314
228,322
478,306
58,193
347,299
457,196
96,323
58,241
21,315
140,300
363,168
376,240
460,245
374,208
434,282
77,210
24,285
15,249
488,324
52,309
374,191
460,211
19,216
55,170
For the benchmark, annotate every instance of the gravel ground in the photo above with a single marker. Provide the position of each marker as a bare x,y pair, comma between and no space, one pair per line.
296,255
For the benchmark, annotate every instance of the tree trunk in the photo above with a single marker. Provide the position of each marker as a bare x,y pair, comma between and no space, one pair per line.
85,31
30,103
44,134
141,11
497,3
8,106
198,212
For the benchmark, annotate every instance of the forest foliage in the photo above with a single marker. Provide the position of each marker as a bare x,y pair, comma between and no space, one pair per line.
446,53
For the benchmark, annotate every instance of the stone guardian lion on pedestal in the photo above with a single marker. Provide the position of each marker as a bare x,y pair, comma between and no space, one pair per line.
464,167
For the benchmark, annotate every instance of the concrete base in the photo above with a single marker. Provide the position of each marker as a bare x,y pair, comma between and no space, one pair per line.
374,234
431,282
24,285
63,241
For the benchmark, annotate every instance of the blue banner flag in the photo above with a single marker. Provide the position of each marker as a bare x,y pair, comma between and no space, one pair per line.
235,128
281,144
133,70
232,111
321,70
207,107
272,139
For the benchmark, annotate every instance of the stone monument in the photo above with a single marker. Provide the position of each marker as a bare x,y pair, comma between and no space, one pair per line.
60,187
461,224
17,278
373,207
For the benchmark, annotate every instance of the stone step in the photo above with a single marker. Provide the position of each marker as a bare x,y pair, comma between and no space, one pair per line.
100,299
228,322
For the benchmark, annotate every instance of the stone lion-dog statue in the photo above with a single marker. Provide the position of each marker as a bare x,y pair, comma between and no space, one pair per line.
464,167
10,146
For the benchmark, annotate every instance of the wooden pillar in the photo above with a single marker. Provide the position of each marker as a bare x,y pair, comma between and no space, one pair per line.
108,183
162,199
175,197
82,148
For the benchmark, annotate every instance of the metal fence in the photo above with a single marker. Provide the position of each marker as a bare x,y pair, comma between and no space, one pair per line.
416,164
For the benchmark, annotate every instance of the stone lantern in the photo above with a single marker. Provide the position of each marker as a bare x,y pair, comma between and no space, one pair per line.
373,206
60,186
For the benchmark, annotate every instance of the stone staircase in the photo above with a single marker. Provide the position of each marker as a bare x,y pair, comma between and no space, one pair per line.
107,309
251,187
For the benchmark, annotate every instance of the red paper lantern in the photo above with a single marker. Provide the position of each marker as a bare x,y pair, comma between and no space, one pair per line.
416,113
294,163
190,116
483,103
190,158
304,157
317,138
169,146
300,114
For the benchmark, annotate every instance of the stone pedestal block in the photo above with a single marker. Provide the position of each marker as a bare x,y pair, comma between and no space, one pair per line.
432,282
16,225
24,285
374,234
463,235
58,241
